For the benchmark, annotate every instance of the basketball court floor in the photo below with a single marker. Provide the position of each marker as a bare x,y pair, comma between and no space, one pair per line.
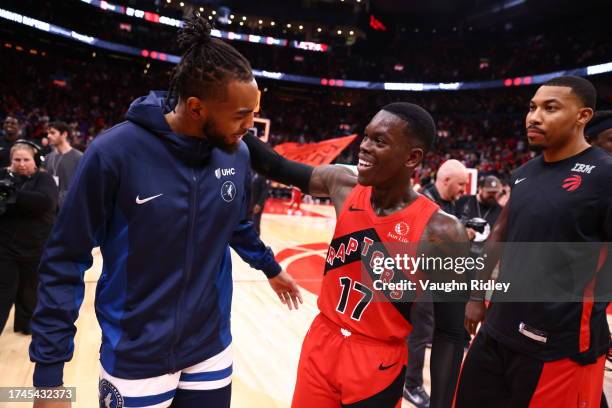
266,336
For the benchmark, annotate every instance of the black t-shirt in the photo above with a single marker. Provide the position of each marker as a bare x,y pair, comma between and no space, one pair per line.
569,201
432,193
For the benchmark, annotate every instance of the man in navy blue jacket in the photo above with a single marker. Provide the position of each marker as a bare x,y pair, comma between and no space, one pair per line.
164,194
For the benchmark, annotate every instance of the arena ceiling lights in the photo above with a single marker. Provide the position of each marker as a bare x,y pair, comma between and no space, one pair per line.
158,19
280,76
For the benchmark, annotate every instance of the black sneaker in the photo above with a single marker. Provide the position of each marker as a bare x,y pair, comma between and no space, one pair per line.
417,396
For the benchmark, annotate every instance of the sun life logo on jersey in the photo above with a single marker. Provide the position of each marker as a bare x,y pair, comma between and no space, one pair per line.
400,231
401,228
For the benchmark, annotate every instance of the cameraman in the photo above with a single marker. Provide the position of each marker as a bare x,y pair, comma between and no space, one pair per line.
28,203
479,212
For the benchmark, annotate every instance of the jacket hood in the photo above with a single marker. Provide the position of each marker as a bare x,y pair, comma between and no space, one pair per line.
148,112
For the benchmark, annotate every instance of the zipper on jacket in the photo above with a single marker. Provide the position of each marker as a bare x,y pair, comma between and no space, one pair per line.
188,266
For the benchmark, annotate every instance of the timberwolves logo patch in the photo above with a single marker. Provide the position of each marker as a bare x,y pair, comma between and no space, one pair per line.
228,191
109,395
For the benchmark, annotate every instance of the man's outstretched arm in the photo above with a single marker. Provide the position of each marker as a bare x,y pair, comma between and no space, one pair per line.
320,181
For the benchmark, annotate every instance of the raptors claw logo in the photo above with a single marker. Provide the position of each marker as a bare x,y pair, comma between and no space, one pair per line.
572,183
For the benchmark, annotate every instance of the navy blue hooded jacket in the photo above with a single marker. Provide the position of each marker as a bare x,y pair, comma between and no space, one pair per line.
164,210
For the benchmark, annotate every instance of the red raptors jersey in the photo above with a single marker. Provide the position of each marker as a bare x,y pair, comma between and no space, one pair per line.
347,295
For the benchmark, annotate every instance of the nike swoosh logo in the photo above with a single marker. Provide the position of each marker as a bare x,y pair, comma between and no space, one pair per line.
144,200
519,180
382,367
351,208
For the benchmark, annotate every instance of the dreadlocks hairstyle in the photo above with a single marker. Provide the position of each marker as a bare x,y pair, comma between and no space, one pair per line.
206,64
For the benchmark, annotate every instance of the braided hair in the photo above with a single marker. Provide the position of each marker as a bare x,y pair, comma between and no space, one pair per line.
206,65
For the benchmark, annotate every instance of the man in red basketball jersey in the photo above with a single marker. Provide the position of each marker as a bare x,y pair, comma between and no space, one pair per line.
354,354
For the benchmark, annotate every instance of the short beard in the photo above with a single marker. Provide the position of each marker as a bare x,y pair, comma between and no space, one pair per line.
217,140
488,203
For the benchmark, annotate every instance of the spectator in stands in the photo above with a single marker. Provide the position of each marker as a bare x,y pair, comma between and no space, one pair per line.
11,130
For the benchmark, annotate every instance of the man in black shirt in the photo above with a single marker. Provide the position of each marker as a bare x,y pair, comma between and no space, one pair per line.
449,187
451,180
547,354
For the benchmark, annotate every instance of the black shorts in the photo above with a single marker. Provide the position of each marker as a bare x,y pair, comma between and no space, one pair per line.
495,376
